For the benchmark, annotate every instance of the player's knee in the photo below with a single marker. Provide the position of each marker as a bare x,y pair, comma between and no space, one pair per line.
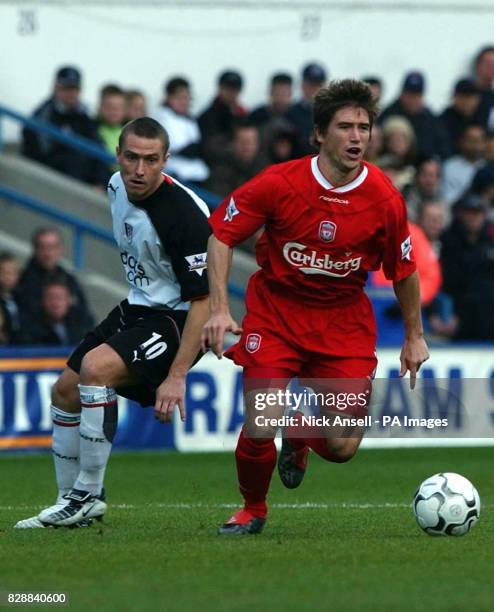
342,452
65,395
93,372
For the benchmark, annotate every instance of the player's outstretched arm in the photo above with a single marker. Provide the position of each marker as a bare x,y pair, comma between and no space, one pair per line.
414,350
220,320
171,392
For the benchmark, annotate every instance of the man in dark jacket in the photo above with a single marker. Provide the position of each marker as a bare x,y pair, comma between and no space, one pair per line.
463,111
467,261
44,266
218,121
65,111
56,323
429,131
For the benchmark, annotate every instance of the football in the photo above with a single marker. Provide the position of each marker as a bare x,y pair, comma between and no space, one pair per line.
446,504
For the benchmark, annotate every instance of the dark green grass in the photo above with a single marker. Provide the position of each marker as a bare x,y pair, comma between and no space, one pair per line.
155,555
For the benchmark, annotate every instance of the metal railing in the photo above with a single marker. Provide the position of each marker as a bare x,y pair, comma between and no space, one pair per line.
79,227
84,145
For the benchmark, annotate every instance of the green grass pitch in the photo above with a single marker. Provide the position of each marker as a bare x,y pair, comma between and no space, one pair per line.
345,540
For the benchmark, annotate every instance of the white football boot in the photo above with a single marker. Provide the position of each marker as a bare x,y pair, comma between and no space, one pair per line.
77,506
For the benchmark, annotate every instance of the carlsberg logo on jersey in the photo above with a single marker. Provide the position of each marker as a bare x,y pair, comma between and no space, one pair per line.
311,262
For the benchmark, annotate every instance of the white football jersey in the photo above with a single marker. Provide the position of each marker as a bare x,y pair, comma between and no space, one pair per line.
162,242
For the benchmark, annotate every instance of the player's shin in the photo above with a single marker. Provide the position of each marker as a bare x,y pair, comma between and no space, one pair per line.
256,459
98,426
65,446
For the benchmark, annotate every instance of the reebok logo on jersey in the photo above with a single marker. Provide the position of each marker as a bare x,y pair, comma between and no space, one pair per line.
406,249
231,210
335,200
311,262
197,263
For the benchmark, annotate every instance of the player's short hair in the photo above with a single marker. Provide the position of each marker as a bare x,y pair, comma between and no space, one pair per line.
338,94
145,127
175,84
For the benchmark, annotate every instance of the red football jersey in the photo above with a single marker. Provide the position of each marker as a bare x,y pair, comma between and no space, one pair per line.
319,241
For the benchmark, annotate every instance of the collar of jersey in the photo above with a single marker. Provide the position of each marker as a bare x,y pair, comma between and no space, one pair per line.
154,198
343,188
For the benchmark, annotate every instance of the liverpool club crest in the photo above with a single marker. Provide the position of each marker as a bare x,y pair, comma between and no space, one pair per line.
327,231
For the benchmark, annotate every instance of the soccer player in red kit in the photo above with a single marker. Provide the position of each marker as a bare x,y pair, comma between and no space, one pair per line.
328,220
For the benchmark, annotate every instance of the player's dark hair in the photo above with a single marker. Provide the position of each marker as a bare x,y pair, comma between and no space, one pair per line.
338,94
175,84
145,127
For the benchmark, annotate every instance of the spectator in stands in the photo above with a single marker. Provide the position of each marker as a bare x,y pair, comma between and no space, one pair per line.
44,266
375,149
111,115
64,110
281,143
483,184
429,131
398,154
280,99
428,269
463,111
245,162
467,260
300,114
56,323
459,170
489,148
217,122
426,185
432,220
185,162
135,105
484,77
376,86
10,310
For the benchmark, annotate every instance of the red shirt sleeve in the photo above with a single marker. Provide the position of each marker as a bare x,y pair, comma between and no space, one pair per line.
398,261
244,211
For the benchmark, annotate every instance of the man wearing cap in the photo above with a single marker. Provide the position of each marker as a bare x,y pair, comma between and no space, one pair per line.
463,111
467,261
217,122
64,110
429,131
300,114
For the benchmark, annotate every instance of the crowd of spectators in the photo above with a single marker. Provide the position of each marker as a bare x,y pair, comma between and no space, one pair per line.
42,303
442,163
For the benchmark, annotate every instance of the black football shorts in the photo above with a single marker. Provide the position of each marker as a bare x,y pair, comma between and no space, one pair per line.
146,339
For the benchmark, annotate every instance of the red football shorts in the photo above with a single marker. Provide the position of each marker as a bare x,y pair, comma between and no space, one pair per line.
281,333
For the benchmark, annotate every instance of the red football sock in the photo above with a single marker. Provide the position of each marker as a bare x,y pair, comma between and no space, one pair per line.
255,459
319,446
